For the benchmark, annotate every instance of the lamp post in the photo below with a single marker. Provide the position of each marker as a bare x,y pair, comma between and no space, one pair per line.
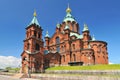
29,70
89,59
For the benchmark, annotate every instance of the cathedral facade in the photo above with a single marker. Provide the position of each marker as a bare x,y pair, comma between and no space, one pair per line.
65,47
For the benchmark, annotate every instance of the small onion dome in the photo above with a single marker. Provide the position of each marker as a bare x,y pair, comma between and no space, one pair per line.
85,28
47,34
93,38
58,25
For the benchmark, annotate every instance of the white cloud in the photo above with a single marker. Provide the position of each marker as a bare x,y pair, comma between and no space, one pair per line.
111,63
9,61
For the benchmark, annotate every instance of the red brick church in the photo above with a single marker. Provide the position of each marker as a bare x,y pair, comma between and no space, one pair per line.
65,47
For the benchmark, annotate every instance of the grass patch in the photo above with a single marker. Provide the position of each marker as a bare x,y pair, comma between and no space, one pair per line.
92,67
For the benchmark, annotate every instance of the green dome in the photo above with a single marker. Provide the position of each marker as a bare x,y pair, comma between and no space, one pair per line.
68,16
47,34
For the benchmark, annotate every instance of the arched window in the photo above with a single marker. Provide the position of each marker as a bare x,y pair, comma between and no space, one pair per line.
37,47
63,58
73,28
38,35
62,49
58,46
74,57
58,49
27,34
35,33
30,32
28,46
73,46
57,40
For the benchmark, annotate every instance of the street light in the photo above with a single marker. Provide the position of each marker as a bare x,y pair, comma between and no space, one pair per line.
89,59
29,72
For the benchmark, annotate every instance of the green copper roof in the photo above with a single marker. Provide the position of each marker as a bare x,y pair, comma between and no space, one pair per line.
47,34
77,35
66,27
85,28
69,17
34,21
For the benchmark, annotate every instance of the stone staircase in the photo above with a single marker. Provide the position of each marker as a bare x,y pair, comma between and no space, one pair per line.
24,76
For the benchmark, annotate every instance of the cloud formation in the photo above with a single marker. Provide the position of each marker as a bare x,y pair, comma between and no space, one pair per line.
9,61
111,63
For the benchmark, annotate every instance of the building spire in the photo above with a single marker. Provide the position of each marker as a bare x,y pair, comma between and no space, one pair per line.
68,10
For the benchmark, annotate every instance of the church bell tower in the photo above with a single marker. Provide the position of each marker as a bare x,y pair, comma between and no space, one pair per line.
32,56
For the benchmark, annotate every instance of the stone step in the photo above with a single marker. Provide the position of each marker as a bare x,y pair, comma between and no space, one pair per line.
19,75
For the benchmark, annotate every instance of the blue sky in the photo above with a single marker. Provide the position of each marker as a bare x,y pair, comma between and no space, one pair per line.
102,17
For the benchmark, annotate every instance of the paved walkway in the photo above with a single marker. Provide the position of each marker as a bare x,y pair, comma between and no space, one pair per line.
60,77
4,77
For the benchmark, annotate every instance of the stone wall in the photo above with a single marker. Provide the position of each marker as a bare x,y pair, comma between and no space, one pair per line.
85,72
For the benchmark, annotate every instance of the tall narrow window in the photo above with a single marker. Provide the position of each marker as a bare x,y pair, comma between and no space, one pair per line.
63,58
74,57
58,48
73,46
27,34
57,40
35,33
73,28
37,47
38,35
62,49
28,46
30,32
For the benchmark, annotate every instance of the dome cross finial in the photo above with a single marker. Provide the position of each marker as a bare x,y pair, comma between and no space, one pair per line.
35,14
68,10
